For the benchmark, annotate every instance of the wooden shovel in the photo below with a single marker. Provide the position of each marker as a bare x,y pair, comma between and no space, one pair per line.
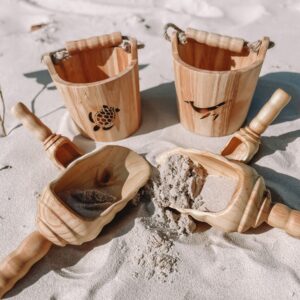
245,143
250,204
114,170
58,148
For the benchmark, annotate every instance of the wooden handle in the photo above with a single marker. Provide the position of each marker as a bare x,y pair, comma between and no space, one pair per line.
285,218
103,41
216,40
30,121
18,263
269,111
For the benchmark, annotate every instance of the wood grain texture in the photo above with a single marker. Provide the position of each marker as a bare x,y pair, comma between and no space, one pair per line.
242,146
30,121
251,203
242,211
60,150
95,42
245,143
281,216
214,86
216,40
91,80
269,111
115,170
17,264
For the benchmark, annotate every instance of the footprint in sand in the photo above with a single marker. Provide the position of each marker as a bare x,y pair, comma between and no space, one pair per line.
27,16
244,14
134,20
195,8
88,7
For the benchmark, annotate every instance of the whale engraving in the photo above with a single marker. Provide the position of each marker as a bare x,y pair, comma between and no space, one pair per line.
206,111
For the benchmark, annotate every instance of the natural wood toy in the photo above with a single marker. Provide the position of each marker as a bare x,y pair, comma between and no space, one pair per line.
251,203
112,170
98,80
245,143
58,148
215,79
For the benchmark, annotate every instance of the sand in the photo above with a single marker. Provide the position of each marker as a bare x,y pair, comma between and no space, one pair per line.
88,203
262,264
176,183
216,193
179,183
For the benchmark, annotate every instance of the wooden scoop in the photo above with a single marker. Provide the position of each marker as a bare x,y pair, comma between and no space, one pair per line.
114,170
59,148
245,143
251,203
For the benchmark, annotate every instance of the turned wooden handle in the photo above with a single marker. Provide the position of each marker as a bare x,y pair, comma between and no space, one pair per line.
30,121
269,111
103,41
216,40
285,218
18,263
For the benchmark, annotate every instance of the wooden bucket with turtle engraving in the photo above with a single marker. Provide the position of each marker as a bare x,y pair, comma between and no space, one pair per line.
98,79
215,78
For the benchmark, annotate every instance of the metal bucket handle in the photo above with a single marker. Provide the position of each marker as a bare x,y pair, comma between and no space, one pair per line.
213,39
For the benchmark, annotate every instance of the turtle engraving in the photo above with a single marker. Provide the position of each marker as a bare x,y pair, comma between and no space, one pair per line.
207,111
104,118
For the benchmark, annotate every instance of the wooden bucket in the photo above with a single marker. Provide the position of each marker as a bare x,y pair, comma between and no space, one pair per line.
215,79
98,79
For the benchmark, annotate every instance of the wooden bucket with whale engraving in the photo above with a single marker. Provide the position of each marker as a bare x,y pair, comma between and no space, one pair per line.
98,79
215,78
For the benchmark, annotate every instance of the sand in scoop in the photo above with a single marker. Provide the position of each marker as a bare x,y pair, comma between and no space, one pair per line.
178,183
183,184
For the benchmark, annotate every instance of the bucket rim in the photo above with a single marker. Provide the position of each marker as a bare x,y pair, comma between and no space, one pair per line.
259,61
47,60
58,79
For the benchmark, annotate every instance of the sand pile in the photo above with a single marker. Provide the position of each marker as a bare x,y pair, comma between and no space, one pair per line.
181,183
178,182
154,256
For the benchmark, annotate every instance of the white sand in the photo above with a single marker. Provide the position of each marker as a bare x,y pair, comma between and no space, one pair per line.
263,264
217,193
